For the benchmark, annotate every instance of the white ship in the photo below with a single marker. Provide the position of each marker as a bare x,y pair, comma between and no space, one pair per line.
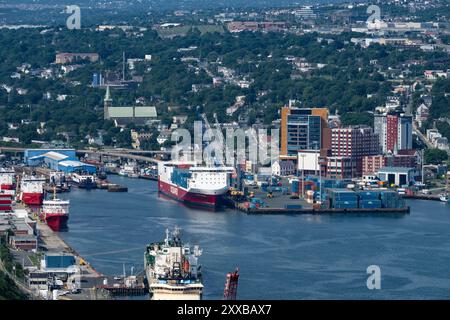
129,170
172,269
83,180
198,186
32,190
7,179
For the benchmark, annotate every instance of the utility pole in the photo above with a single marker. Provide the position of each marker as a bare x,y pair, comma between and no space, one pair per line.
123,66
423,175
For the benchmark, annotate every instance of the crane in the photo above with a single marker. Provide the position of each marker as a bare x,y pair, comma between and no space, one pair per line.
218,136
231,285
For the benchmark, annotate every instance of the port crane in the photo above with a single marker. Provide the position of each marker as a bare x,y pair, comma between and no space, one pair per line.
231,285
216,136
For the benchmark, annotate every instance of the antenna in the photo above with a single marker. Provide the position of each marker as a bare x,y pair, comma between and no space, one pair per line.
123,66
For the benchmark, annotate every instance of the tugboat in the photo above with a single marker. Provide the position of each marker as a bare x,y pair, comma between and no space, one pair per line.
55,212
84,180
172,269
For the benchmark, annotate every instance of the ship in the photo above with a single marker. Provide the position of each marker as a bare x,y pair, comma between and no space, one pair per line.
129,170
83,180
194,185
172,269
32,190
7,179
55,212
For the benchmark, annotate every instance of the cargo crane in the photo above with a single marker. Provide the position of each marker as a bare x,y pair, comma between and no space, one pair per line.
231,285
208,127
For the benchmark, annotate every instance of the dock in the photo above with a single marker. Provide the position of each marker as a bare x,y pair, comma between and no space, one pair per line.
422,197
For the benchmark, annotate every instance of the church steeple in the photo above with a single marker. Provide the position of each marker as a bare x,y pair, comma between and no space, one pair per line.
107,103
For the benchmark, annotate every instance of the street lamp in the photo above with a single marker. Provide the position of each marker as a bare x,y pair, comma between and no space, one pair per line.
316,144
303,174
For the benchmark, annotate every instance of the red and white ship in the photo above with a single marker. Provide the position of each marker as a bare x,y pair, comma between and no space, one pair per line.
55,212
6,201
32,190
198,186
7,179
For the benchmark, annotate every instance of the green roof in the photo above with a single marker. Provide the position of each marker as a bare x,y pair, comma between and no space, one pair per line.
132,112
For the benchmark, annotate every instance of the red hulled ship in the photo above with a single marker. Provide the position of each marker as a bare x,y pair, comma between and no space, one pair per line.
7,179
32,190
197,186
55,212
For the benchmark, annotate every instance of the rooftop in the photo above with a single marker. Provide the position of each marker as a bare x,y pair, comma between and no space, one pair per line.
395,169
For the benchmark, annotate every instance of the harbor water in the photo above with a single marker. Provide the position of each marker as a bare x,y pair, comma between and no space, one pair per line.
279,256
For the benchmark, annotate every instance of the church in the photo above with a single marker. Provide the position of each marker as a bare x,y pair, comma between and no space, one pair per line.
140,115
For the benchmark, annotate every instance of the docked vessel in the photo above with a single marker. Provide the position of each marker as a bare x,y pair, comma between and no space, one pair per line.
55,212
32,190
198,186
129,170
7,179
83,180
172,269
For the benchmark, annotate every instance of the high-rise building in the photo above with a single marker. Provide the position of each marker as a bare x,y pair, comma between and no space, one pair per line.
354,142
394,130
304,129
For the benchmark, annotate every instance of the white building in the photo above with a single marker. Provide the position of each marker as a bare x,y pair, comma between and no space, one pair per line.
283,168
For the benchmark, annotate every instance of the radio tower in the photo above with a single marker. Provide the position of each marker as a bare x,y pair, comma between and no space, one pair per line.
231,285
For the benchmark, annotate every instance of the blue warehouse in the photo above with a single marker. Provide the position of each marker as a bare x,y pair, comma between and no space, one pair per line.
64,160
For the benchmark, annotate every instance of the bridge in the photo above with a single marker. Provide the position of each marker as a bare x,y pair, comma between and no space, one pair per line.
120,154
128,154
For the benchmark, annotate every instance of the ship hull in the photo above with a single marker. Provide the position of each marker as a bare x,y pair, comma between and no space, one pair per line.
85,185
189,198
57,222
32,198
6,187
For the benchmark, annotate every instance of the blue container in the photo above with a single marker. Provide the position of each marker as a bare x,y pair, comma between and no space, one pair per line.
346,204
295,186
370,204
293,206
369,195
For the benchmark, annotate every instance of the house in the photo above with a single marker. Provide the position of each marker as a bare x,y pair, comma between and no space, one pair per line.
283,168
422,114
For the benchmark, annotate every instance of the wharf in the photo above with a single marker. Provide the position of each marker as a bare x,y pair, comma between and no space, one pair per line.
422,197
51,242
274,210
405,210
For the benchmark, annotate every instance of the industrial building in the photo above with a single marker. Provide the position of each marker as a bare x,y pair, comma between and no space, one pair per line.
398,176
64,160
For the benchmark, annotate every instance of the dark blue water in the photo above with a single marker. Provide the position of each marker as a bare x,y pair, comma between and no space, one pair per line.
279,257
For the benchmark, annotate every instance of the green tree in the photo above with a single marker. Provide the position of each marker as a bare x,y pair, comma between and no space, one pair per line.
435,156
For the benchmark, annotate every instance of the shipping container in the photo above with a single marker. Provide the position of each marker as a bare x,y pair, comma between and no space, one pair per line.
293,206
370,204
346,204
369,195
295,186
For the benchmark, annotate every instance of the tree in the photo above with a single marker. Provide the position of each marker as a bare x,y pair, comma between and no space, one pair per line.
435,156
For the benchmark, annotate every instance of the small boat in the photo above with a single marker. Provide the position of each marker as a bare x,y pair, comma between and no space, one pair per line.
117,188
444,198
